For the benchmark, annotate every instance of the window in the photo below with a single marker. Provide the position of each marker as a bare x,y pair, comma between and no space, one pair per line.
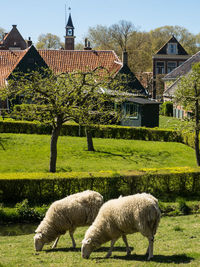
172,48
160,67
171,66
131,110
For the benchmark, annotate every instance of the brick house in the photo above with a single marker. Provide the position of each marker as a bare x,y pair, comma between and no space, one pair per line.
169,56
14,41
171,81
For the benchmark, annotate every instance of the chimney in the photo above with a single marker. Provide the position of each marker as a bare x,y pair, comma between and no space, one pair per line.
87,45
14,26
124,58
29,42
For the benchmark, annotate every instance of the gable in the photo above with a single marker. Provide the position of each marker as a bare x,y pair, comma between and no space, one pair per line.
173,41
31,61
134,86
14,40
20,60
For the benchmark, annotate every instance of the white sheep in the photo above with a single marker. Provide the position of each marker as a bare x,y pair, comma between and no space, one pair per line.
122,216
66,215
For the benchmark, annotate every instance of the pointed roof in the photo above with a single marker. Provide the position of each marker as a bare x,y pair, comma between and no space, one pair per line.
163,49
13,39
70,23
134,85
13,60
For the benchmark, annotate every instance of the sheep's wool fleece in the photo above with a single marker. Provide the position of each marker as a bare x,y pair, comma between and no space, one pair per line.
70,212
125,215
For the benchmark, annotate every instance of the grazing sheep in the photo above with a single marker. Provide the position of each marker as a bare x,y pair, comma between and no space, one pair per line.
122,216
66,215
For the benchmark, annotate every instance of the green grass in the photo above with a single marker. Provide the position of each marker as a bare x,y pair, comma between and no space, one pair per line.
30,153
172,123
176,243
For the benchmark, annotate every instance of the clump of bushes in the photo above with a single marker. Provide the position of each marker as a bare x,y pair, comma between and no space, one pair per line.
25,212
183,207
167,109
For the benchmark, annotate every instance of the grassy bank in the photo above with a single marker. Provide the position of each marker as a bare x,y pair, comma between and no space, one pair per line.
176,242
30,153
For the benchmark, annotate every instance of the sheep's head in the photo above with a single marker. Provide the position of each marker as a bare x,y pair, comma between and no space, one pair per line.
38,241
87,247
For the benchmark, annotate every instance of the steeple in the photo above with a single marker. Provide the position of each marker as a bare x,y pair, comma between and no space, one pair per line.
69,37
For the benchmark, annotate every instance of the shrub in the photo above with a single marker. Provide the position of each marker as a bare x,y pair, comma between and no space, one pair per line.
167,109
183,207
103,131
47,187
27,213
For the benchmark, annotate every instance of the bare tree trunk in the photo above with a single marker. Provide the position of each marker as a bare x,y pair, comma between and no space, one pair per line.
89,139
197,127
53,153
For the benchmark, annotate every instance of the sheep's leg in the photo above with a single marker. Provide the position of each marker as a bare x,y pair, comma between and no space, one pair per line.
150,248
111,248
128,250
72,238
55,243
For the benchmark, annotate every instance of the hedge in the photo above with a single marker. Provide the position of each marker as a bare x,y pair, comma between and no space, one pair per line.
103,131
40,188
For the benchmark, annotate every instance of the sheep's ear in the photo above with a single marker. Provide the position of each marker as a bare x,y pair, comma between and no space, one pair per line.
86,241
38,236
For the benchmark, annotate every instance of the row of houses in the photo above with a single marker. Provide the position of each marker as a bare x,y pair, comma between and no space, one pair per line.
139,108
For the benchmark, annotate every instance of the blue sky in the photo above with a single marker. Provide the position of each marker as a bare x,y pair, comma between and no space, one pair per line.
44,16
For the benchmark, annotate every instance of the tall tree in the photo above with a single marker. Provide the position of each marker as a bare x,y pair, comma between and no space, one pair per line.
47,41
188,96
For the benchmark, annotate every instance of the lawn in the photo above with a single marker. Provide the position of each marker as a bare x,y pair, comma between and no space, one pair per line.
176,243
30,153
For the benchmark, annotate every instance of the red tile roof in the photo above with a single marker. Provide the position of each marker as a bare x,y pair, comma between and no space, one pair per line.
8,62
74,60
61,61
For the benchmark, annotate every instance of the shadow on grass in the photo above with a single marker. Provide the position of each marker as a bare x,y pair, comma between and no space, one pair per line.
177,259
63,250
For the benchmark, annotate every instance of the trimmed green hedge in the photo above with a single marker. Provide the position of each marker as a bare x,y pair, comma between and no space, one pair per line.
45,187
104,131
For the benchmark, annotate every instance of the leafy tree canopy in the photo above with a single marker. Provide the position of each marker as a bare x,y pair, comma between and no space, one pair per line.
48,41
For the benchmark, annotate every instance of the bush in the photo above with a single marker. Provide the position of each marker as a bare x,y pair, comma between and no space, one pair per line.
41,188
103,131
183,207
26,213
167,109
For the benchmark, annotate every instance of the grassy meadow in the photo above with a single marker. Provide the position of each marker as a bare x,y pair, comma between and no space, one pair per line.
30,153
176,243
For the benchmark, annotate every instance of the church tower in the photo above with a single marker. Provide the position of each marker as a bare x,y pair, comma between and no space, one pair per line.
69,37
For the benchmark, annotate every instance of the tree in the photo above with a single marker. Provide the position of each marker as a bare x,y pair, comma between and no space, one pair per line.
2,32
47,41
162,34
188,96
55,99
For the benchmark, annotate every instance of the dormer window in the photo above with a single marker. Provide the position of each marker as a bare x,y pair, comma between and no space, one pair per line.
172,48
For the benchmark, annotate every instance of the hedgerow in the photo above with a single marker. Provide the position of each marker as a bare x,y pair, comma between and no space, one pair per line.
45,187
103,131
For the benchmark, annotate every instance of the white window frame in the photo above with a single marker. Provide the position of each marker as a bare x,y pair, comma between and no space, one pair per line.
172,49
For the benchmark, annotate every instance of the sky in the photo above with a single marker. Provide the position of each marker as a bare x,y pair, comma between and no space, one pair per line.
48,16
